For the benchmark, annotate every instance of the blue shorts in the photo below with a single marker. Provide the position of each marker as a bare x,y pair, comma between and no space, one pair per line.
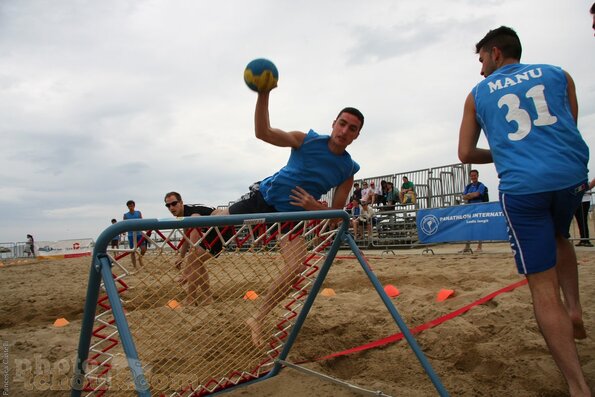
139,243
534,221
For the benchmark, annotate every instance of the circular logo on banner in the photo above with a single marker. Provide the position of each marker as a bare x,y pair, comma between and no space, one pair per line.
76,246
429,224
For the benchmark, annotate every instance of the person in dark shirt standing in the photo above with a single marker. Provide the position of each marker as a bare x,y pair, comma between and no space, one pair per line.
194,274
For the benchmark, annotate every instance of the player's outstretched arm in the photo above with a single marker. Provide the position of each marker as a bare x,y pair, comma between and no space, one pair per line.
274,136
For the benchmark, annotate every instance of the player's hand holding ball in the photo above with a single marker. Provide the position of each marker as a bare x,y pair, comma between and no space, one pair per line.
261,75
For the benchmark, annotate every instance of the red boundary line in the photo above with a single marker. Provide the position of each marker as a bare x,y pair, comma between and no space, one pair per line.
430,324
64,256
380,342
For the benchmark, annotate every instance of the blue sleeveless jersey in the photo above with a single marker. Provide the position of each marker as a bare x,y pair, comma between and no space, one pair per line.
134,215
526,117
312,167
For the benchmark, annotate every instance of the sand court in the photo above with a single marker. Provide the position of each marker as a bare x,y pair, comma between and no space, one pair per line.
492,349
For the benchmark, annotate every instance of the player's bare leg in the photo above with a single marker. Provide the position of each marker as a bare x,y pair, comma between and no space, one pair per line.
293,253
557,330
196,279
195,275
133,259
143,251
566,266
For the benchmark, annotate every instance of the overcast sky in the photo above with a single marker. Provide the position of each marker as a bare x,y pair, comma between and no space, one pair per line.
105,101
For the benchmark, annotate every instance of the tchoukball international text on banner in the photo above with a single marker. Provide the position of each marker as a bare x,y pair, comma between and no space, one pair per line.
471,222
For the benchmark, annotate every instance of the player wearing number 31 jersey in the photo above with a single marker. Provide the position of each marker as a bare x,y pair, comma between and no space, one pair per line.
533,136
528,114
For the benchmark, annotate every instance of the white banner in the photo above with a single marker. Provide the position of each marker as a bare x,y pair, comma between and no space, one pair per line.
64,248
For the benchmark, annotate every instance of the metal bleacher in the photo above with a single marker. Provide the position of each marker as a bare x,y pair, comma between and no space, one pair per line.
434,187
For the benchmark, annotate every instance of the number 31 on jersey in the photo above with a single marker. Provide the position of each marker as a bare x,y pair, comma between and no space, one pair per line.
522,117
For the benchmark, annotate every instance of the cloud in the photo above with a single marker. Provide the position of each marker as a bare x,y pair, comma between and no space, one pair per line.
106,101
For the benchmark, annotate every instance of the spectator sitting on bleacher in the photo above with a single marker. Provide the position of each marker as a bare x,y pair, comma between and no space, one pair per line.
352,206
364,219
392,195
357,191
381,194
367,192
407,194
354,211
375,194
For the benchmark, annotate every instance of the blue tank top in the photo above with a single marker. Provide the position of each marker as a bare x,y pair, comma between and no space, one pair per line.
134,215
526,117
313,167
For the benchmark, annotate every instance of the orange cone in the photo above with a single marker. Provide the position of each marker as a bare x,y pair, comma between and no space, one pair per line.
250,295
444,294
391,290
61,322
173,304
328,292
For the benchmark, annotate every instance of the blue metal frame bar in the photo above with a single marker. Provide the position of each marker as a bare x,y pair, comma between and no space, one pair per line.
312,295
78,380
101,269
205,221
140,382
307,305
398,319
101,262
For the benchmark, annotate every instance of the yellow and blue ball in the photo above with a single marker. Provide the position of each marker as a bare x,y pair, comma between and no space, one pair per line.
261,75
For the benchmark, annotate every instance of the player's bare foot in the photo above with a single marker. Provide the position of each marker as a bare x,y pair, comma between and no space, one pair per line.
256,331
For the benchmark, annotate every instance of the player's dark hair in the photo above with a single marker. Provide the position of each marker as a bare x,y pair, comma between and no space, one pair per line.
593,9
176,194
474,171
130,202
503,38
355,112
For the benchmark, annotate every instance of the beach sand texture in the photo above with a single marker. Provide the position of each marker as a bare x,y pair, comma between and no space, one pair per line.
494,349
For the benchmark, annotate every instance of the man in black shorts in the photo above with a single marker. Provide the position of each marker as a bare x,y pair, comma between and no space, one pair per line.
194,273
